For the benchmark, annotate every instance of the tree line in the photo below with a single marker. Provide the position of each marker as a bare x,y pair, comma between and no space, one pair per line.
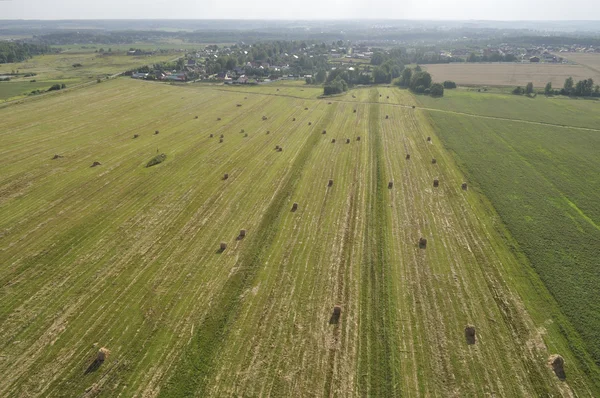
17,52
583,88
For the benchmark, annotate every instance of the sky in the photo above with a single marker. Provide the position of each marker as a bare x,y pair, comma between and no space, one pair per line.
506,10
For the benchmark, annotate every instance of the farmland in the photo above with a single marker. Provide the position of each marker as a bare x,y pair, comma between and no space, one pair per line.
543,181
127,257
509,74
58,68
589,60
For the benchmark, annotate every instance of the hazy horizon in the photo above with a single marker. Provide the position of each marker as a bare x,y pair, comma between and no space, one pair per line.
414,10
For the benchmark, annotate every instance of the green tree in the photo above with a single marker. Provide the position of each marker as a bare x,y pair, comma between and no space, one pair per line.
381,76
437,90
420,79
568,87
518,91
231,63
321,76
405,76
449,84
548,89
529,88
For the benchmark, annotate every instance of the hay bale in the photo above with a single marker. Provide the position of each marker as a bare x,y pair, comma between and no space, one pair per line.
242,233
379,95
329,103
195,117
408,156
156,160
387,116
103,354
470,334
268,132
246,135
353,96
347,140
557,363
220,140
223,246
413,107
57,157
355,111
388,97
276,147
358,138
280,149
433,161
295,206
333,141
436,183
422,243
96,164
212,135
264,118
390,184
305,109
242,131
218,119
222,136
245,97
135,136
330,184
309,123
238,105
324,131
277,89
294,119
428,139
156,132
225,176
464,186
335,316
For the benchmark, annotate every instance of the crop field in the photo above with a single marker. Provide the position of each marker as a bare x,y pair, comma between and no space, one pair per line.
509,74
543,181
58,68
127,257
589,60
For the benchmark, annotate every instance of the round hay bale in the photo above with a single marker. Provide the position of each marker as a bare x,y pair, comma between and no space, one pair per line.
295,206
280,149
195,117
413,107
223,246
103,354
305,109
388,97
246,135
436,183
222,136
358,138
238,105
156,132
220,140
390,184
347,140
56,157
242,233
557,363
277,89
96,164
245,97
353,96
324,131
225,176
268,132
309,123
212,135
428,139
330,184
433,161
333,141
422,243
329,103
408,156
337,311
294,119
135,136
264,118
218,119
387,116
470,334
355,111
379,95
276,147
464,186
242,130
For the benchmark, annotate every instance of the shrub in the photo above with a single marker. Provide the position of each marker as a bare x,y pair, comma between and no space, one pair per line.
437,90
449,84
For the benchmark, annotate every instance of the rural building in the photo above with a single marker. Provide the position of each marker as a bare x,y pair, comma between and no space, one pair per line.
534,59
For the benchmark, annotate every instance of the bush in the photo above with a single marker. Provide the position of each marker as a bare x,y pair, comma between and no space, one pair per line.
518,91
78,65
449,84
54,87
437,90
156,160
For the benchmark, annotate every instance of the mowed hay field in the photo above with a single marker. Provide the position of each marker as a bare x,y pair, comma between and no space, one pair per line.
127,257
509,74
543,181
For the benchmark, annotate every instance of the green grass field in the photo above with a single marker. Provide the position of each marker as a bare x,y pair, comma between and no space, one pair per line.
543,181
127,257
58,68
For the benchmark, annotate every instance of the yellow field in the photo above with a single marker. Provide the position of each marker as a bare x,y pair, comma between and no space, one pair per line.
509,74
